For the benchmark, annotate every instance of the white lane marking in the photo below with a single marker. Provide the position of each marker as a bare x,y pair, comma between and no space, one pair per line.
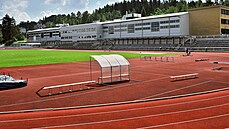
183,122
176,90
133,118
64,75
89,92
117,111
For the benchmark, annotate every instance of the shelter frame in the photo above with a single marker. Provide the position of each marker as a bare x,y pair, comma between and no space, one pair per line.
111,62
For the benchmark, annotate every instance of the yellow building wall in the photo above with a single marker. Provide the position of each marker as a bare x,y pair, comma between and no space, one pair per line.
223,16
205,21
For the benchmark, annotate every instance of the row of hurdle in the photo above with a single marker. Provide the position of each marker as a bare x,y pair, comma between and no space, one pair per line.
157,58
65,88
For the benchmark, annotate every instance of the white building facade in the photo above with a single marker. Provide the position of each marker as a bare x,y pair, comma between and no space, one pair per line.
168,25
81,33
176,24
49,35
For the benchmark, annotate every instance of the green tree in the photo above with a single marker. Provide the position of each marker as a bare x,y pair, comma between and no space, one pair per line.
158,11
8,30
85,17
143,11
1,38
172,9
116,14
49,24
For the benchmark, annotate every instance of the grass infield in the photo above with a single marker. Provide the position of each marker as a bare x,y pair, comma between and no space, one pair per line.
11,58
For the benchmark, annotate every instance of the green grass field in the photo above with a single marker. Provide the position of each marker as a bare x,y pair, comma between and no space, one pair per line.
10,58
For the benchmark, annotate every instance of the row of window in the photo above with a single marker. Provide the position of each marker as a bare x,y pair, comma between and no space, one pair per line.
87,37
224,21
225,31
143,24
171,26
225,12
155,26
80,37
170,21
85,30
67,37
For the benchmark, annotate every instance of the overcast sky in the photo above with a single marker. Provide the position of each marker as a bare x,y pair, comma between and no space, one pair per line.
33,10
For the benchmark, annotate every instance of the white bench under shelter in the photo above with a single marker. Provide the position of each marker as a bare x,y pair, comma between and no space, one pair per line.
113,68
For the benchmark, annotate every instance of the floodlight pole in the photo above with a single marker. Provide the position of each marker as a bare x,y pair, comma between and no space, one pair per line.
90,70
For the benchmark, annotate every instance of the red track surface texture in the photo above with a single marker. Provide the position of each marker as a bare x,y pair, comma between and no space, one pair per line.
149,79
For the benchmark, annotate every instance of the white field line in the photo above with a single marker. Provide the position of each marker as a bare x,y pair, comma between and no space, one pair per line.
118,111
183,122
133,118
175,90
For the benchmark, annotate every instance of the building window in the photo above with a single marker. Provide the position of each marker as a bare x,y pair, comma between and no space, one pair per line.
118,26
225,12
146,28
164,22
130,28
111,29
175,21
174,26
225,31
224,21
147,23
138,24
138,29
164,27
155,26
123,25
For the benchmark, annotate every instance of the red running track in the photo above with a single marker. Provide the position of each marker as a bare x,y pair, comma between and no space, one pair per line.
149,79
209,111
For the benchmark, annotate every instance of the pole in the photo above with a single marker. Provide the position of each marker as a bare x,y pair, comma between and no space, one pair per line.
90,70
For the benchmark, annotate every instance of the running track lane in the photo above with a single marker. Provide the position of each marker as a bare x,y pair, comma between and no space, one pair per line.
203,111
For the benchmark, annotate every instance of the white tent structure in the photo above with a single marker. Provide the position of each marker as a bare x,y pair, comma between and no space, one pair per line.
114,68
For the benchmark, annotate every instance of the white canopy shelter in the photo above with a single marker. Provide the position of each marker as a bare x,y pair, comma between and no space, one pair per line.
114,68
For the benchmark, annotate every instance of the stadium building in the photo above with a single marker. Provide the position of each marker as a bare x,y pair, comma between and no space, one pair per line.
49,36
172,31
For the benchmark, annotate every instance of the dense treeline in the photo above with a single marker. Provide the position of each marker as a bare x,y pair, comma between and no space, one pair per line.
117,10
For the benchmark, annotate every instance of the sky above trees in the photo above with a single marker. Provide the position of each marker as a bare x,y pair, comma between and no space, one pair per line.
33,10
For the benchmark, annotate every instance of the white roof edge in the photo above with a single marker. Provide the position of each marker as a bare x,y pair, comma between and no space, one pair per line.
86,24
46,29
148,17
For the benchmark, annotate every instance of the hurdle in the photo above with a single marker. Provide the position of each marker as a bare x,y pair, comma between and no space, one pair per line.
202,59
146,58
156,58
65,88
217,68
216,62
184,77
